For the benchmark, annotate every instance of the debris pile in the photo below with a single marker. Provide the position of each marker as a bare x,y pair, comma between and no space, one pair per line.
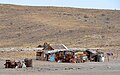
18,63
60,53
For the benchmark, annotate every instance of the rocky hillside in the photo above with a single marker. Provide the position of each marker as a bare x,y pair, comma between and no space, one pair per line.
29,26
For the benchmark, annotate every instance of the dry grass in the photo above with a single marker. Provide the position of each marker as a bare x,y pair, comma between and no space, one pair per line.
17,54
23,26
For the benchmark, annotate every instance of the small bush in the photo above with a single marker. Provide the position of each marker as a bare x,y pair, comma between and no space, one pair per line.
68,14
102,14
86,16
85,20
39,46
107,18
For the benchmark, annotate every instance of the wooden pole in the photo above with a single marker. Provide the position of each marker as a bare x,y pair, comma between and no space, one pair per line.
108,58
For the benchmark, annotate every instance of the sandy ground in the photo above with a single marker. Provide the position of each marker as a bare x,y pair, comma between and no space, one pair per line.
52,68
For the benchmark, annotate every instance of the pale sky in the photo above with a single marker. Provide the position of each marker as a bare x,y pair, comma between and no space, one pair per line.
97,4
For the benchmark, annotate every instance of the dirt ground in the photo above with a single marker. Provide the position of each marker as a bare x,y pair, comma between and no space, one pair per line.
52,68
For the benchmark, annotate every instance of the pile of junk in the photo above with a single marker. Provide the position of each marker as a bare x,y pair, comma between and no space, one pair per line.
69,55
18,63
75,56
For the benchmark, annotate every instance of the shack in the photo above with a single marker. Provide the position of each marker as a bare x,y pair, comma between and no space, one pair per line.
49,49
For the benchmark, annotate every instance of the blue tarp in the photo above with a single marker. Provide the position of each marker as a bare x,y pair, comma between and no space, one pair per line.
52,58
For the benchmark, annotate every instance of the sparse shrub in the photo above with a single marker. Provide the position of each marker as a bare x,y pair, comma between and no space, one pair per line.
109,27
70,30
102,36
107,18
85,20
59,31
11,23
39,9
68,14
21,50
106,22
102,14
39,46
18,34
2,51
19,28
91,22
26,9
86,16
